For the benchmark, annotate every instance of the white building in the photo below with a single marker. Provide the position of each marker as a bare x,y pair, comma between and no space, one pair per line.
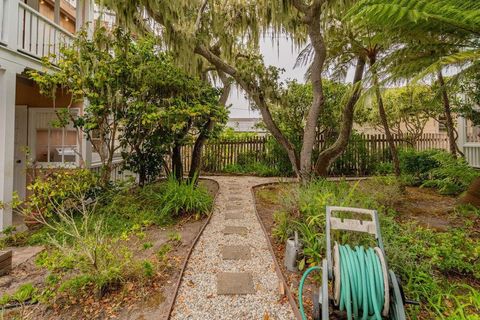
245,125
30,30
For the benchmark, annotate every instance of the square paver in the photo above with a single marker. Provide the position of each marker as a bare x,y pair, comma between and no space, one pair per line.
234,215
235,198
235,253
243,231
235,283
234,206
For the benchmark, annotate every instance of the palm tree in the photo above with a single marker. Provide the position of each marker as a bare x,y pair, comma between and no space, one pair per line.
437,34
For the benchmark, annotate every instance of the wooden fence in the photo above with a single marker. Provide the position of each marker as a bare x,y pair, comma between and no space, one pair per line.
362,155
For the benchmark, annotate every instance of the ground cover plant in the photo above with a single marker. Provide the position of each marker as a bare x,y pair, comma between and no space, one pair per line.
439,268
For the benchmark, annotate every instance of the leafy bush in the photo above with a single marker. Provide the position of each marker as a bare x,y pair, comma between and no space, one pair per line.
277,157
436,169
384,168
451,176
59,188
184,197
417,164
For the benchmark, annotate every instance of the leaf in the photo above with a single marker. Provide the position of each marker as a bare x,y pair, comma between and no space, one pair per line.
301,264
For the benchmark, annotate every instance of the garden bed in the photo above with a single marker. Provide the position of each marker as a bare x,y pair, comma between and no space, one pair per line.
421,211
167,246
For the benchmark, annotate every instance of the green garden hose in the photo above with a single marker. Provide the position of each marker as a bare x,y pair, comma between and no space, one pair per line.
300,289
362,283
362,290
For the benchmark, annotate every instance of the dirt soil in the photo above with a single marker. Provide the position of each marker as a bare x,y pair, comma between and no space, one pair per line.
431,210
140,301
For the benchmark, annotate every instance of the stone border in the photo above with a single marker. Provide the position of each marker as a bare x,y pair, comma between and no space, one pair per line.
280,275
180,276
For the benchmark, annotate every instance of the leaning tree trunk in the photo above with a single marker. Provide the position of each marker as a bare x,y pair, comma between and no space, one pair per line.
257,95
326,157
196,162
383,118
448,114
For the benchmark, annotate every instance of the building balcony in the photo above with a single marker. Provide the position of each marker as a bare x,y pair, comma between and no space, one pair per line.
37,29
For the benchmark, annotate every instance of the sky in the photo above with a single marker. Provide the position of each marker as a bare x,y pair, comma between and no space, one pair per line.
281,54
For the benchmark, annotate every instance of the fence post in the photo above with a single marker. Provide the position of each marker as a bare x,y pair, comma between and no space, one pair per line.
462,133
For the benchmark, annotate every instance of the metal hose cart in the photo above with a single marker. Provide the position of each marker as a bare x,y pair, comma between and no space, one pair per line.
361,283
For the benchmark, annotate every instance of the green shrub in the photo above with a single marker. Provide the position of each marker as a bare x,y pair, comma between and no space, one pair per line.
417,164
384,168
276,157
184,197
452,175
436,169
50,190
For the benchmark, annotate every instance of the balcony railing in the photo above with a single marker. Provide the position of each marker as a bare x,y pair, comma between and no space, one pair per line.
25,30
3,20
38,36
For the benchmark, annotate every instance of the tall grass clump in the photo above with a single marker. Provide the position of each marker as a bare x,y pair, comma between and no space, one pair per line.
178,198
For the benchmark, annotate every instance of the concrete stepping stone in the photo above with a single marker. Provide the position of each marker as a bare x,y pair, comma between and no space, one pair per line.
236,253
229,283
234,206
243,231
234,215
237,199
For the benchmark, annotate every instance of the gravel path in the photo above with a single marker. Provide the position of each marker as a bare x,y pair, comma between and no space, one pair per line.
210,280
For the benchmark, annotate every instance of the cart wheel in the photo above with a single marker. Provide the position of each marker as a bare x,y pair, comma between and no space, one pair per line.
397,310
316,306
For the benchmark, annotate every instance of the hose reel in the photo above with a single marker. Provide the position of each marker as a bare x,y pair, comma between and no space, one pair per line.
362,285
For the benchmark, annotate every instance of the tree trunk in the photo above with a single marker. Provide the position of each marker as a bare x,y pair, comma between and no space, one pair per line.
383,118
448,114
255,93
472,196
177,166
196,162
311,123
326,157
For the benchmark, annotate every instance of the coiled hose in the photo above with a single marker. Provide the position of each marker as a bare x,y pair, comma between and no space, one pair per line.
362,284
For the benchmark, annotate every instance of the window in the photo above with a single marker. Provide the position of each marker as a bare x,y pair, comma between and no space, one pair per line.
51,144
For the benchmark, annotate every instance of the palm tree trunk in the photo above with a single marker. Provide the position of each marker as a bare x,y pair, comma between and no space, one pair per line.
448,114
383,118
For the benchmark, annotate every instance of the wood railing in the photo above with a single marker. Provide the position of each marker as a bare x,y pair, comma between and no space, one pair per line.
471,151
3,21
37,35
